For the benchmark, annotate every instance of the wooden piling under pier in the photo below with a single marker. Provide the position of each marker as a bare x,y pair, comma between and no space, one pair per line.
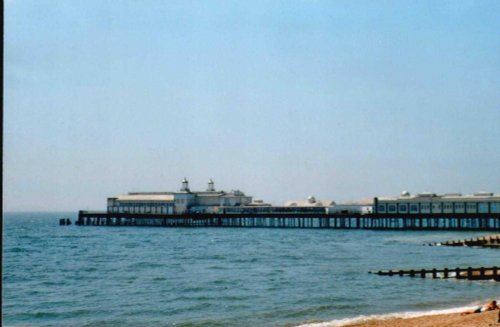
460,221
482,273
64,222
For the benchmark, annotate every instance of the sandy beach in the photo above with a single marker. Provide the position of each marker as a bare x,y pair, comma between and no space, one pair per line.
444,320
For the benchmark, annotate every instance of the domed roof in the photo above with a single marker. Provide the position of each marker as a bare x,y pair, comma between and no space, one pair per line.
311,199
405,193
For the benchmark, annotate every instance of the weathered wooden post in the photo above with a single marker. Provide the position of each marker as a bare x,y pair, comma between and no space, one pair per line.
422,273
434,273
445,273
469,273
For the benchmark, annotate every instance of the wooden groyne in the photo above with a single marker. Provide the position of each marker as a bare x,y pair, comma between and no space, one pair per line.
482,273
492,241
459,221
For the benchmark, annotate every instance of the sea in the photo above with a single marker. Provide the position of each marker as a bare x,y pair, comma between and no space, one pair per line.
152,276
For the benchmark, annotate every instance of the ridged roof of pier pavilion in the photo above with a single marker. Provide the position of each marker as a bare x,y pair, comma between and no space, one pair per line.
443,197
307,203
146,197
471,197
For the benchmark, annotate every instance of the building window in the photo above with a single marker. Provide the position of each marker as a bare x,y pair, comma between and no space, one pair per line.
392,207
414,207
483,208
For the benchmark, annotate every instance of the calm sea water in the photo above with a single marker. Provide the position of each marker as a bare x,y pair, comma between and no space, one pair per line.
139,276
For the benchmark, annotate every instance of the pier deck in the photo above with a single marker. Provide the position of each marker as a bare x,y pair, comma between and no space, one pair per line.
458,221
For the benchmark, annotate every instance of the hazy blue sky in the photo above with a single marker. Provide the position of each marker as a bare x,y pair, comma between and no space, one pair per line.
281,99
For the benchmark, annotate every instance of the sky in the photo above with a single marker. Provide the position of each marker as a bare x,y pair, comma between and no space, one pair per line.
281,99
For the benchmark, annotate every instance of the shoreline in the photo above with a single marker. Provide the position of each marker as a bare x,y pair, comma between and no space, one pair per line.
434,318
484,319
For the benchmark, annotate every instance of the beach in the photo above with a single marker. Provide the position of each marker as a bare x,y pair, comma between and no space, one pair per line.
444,320
434,318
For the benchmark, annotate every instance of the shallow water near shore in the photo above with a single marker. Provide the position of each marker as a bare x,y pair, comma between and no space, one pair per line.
142,276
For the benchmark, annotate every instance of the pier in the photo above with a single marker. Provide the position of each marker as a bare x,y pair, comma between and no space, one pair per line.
458,221
468,273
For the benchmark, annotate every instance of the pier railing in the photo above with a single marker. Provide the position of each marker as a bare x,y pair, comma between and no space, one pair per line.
459,221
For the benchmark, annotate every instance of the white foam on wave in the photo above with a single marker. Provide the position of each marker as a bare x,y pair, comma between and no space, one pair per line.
389,316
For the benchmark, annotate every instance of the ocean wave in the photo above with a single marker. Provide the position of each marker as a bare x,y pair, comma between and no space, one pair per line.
389,316
17,250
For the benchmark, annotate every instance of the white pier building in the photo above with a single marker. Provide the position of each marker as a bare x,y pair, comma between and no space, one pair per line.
183,201
482,202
